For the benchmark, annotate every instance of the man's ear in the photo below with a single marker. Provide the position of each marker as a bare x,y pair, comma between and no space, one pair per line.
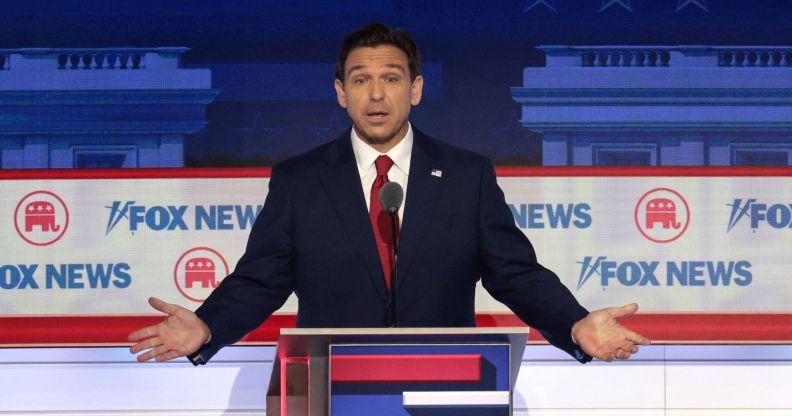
340,94
416,90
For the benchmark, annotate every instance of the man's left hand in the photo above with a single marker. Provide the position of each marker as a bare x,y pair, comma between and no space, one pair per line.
601,336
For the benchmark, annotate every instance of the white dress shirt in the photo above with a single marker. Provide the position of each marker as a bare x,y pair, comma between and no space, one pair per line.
365,155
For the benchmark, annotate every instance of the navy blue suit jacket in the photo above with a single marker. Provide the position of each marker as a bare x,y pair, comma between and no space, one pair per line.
313,237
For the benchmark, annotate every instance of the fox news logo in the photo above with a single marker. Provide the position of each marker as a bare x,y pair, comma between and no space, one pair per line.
776,215
670,273
65,276
181,217
551,215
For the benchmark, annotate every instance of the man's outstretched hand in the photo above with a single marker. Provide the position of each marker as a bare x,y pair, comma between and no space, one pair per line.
180,334
602,337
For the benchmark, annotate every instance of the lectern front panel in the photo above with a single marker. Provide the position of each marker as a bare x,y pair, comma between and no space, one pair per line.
419,379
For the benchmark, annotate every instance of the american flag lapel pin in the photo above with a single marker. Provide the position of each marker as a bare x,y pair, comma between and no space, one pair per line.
437,172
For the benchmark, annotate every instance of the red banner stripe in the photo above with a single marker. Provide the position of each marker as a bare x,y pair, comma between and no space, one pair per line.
660,327
140,173
647,171
462,368
501,171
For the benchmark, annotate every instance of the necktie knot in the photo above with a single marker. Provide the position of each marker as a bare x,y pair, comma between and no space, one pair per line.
383,165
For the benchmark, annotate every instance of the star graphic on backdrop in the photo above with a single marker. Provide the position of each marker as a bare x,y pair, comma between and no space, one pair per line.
550,4
258,131
333,129
608,3
702,4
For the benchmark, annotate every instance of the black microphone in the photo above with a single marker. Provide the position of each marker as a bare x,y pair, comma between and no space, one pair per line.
391,196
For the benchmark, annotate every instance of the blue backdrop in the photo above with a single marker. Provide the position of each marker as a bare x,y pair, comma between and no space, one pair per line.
271,65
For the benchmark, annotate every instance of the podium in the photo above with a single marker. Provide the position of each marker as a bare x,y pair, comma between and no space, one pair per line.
395,371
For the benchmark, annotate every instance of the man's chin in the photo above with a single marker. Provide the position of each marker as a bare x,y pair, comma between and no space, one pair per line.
380,136
377,137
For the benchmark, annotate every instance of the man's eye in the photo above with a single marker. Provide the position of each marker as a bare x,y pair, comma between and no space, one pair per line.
359,81
393,79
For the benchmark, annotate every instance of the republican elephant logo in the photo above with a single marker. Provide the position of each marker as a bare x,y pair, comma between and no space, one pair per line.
41,218
198,271
662,210
42,214
662,215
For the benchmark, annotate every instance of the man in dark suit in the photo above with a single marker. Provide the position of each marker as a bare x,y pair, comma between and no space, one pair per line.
323,234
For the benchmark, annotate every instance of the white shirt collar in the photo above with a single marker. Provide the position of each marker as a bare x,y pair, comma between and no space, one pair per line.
365,155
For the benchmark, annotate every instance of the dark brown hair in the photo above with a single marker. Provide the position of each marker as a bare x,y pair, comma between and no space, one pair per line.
375,34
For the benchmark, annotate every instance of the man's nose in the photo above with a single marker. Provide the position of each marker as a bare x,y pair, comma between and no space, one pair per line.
376,91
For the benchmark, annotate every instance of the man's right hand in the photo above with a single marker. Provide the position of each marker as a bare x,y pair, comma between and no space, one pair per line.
180,334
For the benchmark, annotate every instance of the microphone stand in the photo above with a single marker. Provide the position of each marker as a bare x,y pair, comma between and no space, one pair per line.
391,197
392,213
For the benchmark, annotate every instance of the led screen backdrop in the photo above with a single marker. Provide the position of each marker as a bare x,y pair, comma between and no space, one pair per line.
691,246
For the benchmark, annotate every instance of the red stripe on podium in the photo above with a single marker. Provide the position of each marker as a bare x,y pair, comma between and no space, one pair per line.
663,327
460,368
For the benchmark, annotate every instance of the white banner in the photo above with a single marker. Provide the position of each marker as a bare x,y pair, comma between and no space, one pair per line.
103,246
670,244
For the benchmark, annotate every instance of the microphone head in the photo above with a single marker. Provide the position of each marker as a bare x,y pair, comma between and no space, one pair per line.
391,196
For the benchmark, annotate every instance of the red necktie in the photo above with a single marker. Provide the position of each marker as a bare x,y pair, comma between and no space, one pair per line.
380,221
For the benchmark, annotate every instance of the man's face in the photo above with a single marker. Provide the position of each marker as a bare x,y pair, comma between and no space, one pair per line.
377,93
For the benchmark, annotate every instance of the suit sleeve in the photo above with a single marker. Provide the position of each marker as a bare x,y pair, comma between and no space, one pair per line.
262,280
513,276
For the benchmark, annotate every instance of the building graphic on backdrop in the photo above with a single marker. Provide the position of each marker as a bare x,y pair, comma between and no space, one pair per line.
99,108
661,105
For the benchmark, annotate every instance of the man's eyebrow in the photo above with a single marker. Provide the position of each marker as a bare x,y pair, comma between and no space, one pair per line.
396,66
361,67
355,68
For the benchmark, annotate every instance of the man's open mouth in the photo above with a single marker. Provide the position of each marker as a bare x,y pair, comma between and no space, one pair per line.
377,114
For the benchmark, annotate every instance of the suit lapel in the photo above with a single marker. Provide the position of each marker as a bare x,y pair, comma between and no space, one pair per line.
342,183
423,191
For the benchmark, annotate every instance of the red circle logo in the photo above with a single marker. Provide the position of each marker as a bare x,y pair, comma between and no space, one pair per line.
41,218
662,215
198,271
